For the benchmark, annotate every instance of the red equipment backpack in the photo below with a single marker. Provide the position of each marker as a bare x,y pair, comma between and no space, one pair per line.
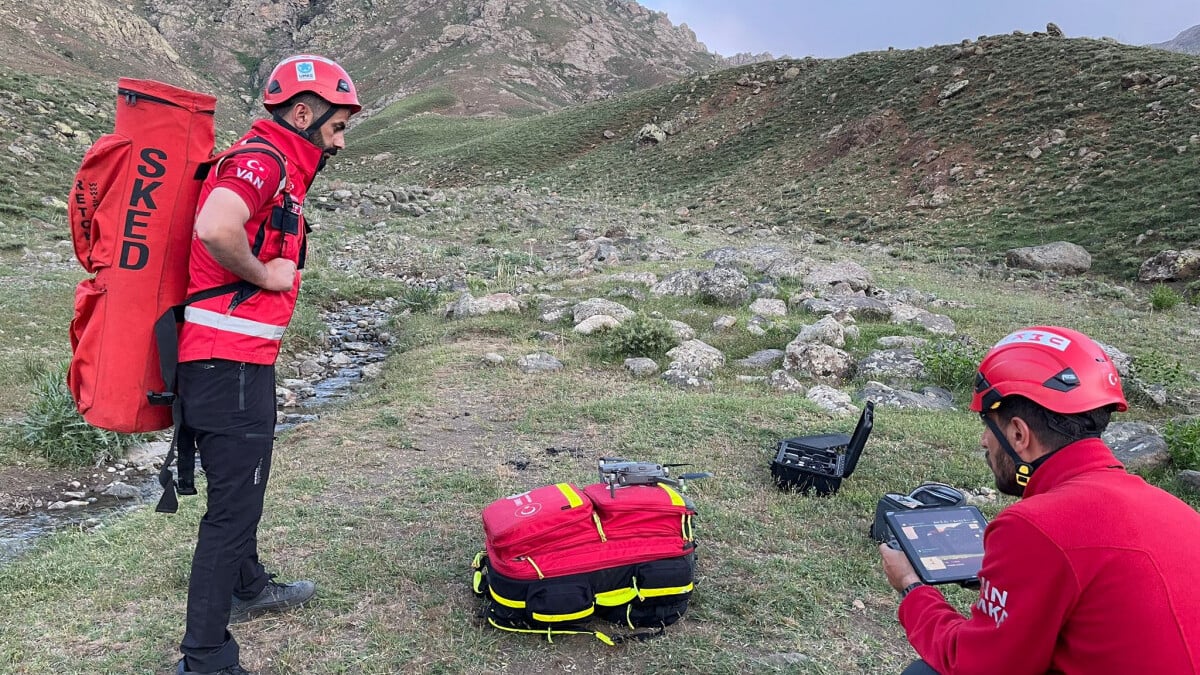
558,556
132,207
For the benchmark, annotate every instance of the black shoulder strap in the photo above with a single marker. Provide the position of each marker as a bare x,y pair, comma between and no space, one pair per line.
261,146
183,445
166,336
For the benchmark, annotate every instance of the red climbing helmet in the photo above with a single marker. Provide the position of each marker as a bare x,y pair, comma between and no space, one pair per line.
1060,369
315,74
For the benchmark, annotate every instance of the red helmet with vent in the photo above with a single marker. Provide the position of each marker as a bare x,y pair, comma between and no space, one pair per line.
1060,369
314,74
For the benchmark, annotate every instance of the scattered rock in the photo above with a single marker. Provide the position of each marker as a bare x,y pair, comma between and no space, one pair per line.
1063,257
832,400
539,362
651,134
762,360
596,323
1138,445
122,491
953,89
641,367
1171,265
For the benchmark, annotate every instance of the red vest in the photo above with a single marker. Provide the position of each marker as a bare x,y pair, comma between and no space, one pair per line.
249,325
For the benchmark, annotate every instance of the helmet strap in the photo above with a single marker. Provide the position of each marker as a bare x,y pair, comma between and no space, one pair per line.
1024,469
1073,427
313,132
288,125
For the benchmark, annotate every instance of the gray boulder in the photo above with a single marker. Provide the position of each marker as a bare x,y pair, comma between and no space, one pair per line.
891,365
1171,265
1062,257
843,272
687,381
832,400
651,134
600,306
696,357
641,367
818,361
1138,445
684,283
539,362
930,398
761,360
725,286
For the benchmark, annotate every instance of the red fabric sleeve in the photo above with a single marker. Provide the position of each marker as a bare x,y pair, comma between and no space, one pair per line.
1027,591
254,176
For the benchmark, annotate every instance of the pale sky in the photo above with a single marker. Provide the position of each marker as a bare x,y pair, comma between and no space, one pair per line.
832,28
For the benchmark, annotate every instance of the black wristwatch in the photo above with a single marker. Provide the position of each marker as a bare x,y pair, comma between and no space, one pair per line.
909,588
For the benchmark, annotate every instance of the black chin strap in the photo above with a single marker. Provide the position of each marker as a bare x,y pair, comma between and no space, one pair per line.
1024,469
313,131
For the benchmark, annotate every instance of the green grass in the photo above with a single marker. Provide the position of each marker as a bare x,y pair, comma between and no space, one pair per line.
388,533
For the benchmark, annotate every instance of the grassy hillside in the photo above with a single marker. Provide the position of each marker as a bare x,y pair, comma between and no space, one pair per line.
379,500
1042,144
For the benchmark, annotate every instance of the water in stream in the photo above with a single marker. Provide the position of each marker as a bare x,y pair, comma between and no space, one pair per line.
355,340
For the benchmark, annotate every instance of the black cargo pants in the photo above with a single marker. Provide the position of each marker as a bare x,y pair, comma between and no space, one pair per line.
230,408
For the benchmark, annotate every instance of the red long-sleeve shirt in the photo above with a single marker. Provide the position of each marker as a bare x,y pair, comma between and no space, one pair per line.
1094,571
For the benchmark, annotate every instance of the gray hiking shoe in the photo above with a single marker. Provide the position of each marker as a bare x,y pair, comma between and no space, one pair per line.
235,669
275,597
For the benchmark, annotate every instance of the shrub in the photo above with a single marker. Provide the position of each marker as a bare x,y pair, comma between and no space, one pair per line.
419,299
1154,367
55,430
1163,298
641,335
951,364
1183,443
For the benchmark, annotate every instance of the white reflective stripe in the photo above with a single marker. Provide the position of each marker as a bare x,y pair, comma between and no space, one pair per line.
233,324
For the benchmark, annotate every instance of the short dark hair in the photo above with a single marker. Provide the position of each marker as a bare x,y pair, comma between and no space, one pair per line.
1055,430
316,104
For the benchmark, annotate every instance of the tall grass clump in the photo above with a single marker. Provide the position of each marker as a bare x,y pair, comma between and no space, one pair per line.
641,335
420,299
1183,443
56,431
951,364
1164,298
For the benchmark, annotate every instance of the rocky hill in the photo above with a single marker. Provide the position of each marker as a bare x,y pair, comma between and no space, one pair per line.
1009,140
1187,42
968,149
492,56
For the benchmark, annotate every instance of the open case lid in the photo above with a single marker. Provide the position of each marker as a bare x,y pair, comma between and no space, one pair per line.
859,439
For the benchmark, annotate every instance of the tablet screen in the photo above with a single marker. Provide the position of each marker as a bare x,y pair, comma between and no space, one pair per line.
944,544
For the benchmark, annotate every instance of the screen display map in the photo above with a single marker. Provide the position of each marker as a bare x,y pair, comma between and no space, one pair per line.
945,545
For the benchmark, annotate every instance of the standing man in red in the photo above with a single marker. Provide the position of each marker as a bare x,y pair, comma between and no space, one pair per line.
247,252
1093,571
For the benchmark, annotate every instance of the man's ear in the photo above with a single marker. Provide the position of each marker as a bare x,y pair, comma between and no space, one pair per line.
1023,441
301,116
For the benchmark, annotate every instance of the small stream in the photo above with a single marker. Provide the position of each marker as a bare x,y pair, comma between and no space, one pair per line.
357,343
